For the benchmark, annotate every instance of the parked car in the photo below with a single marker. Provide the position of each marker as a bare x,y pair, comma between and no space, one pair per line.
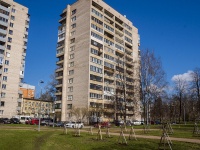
5,120
119,122
15,121
136,122
60,124
44,122
102,124
34,121
74,125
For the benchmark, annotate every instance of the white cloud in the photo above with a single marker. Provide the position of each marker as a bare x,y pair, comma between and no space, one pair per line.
186,76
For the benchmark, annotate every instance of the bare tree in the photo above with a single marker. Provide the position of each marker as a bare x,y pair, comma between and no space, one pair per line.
153,81
195,86
80,113
50,89
180,86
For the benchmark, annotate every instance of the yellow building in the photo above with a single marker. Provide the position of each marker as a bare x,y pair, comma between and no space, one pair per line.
32,107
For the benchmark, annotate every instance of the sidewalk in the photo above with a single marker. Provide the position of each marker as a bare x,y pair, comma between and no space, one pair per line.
154,137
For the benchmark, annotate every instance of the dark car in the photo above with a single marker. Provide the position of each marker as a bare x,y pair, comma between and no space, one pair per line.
118,122
5,120
14,120
60,124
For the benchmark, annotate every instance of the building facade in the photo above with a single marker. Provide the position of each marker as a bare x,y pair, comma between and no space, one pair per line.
28,91
14,24
33,107
98,63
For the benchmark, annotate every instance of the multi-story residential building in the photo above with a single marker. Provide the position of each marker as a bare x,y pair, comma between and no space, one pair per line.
33,107
98,62
14,24
28,91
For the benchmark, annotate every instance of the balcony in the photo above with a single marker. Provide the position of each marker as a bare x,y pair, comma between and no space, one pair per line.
61,39
24,54
62,19
59,69
24,47
58,93
19,100
4,16
59,77
5,8
2,47
25,40
4,32
2,39
18,108
59,62
5,24
27,25
20,92
59,85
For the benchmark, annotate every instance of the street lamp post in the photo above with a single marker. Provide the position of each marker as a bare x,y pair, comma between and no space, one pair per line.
41,82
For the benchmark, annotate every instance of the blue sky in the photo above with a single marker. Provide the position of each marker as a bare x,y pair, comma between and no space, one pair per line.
171,28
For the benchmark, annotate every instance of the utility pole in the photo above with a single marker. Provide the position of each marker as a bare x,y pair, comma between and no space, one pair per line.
41,82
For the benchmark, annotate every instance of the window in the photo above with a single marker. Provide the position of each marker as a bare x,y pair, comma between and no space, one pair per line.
94,51
96,96
73,25
69,106
71,64
11,24
3,86
13,10
3,19
7,62
9,39
71,72
97,20
11,32
72,48
7,54
96,36
70,89
5,69
97,13
72,41
96,87
2,103
9,47
95,78
3,95
73,19
70,97
95,60
95,69
13,17
73,11
96,28
71,56
1,112
4,78
72,33
108,27
70,81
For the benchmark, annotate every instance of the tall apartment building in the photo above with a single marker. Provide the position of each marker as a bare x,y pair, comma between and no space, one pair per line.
98,62
14,24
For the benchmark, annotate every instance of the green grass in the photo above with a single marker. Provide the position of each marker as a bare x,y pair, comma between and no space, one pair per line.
13,137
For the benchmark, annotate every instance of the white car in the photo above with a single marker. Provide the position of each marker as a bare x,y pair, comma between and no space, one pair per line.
74,125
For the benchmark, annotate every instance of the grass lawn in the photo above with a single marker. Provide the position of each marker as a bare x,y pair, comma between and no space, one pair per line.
54,139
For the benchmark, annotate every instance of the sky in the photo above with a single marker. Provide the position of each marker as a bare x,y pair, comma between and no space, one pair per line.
170,28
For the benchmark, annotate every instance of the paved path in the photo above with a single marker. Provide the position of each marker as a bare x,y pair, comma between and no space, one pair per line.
155,137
